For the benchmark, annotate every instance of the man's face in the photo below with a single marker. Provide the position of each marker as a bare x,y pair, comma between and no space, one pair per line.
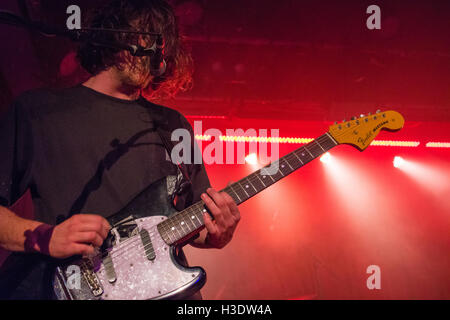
135,71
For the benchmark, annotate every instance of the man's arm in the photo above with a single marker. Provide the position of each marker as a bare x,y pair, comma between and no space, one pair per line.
12,230
77,235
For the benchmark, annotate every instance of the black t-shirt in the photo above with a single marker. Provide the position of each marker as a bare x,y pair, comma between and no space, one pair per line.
80,151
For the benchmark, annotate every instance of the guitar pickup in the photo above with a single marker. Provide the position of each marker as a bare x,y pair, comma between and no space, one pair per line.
147,243
109,269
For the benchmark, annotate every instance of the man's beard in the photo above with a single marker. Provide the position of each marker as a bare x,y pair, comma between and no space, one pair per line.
136,74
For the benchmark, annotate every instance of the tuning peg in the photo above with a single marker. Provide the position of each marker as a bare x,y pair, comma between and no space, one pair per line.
361,115
353,118
378,111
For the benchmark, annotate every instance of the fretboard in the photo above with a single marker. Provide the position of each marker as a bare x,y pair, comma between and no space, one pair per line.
190,220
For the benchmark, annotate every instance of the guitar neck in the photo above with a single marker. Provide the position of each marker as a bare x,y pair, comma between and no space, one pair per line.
190,220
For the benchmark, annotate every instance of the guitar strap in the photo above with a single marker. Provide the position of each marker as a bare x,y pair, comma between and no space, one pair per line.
158,124
169,146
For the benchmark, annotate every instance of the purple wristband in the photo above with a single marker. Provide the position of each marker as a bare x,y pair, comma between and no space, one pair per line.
40,237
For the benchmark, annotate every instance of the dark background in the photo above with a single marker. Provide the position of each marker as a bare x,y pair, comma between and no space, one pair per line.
297,66
289,59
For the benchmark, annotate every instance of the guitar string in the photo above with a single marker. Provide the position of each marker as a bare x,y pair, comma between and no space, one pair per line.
145,247
254,177
251,178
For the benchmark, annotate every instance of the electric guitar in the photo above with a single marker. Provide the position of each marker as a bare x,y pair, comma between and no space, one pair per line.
138,259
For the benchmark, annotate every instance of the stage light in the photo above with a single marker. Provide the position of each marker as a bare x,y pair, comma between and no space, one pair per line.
438,145
354,189
398,162
206,117
434,177
389,143
326,158
251,159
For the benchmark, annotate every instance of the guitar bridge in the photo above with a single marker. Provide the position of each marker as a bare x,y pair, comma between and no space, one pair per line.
91,278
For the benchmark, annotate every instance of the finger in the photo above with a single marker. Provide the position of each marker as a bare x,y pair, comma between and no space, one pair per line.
214,209
88,237
94,219
95,227
87,217
232,206
106,225
83,249
209,224
217,197
224,202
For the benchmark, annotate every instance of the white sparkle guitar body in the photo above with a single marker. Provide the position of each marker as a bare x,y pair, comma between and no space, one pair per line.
136,277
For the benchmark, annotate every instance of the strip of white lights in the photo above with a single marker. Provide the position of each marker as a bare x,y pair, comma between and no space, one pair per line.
438,145
297,140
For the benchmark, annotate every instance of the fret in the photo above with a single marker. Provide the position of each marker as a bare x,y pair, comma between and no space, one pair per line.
200,222
194,218
295,161
175,228
237,195
199,210
304,154
284,170
182,223
320,145
257,183
186,217
317,151
331,139
251,184
286,160
257,176
268,175
174,223
272,178
243,189
279,174
192,215
295,154
163,232
249,190
170,234
309,152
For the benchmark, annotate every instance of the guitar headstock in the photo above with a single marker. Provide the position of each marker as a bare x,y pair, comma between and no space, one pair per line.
360,132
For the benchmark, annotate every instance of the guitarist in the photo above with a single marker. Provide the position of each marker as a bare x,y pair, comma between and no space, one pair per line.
86,151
